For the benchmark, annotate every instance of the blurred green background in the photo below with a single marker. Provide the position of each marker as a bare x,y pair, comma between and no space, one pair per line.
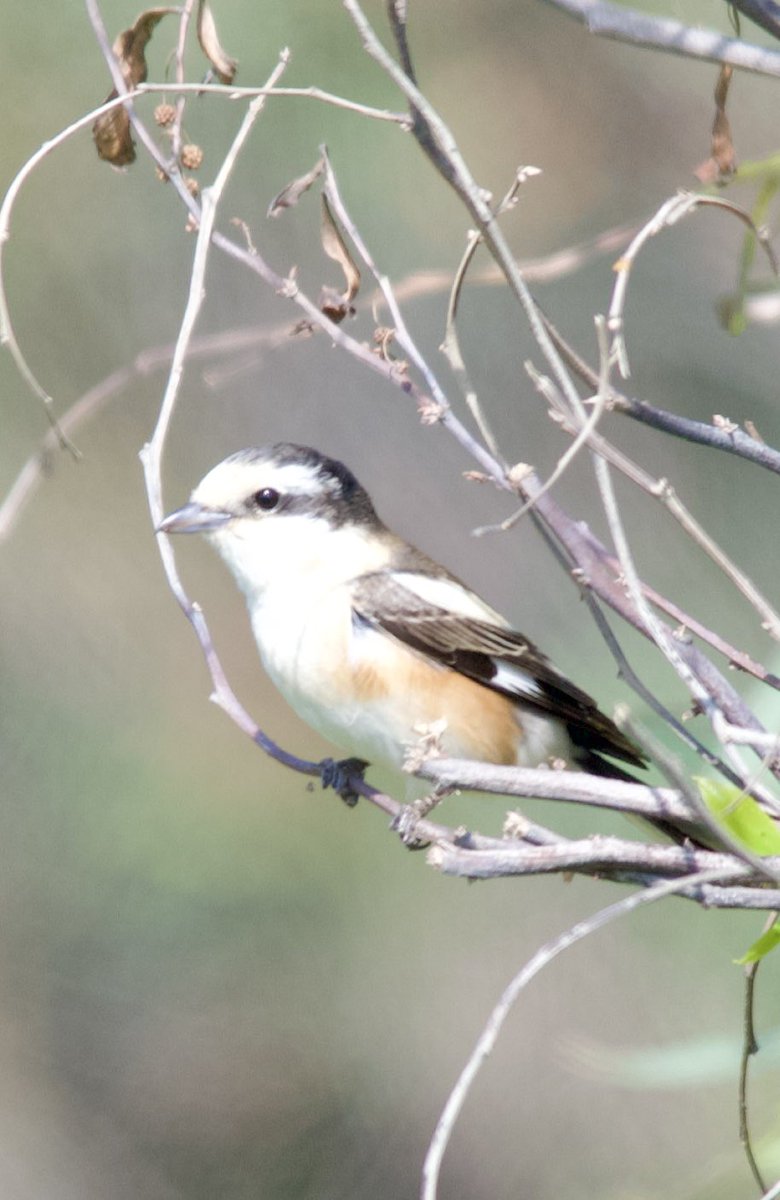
215,981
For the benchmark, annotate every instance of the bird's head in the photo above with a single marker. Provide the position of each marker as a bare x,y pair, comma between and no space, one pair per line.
275,510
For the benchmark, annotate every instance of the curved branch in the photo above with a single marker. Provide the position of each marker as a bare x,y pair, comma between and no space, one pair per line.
489,1036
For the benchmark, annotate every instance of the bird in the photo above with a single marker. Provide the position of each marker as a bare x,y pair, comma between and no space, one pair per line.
373,643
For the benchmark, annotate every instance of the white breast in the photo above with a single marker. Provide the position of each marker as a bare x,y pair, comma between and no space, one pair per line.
309,646
338,676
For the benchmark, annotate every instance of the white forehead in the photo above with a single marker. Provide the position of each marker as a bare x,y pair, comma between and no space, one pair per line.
231,482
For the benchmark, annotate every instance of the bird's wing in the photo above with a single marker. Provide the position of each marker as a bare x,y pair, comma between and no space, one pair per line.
440,618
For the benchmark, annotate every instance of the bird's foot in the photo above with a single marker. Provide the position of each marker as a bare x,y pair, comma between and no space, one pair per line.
340,775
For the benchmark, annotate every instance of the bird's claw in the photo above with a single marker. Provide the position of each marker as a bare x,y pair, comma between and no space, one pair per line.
406,822
340,775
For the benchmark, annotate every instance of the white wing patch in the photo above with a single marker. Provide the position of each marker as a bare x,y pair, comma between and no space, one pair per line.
517,681
453,597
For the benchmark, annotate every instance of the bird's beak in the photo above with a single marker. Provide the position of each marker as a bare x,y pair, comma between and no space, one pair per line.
194,518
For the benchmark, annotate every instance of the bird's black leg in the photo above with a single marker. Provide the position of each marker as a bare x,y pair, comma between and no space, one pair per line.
339,775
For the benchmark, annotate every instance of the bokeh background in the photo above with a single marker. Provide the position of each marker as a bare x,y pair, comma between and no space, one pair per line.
215,981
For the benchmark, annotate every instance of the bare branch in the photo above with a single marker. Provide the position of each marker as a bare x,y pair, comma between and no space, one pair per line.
662,490
7,335
437,142
623,861
662,33
596,571
705,697
489,1036
670,212
641,800
599,855
451,344
151,454
401,329
547,389
749,1049
231,92
178,58
733,440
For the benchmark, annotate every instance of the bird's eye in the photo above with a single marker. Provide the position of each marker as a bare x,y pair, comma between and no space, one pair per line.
266,499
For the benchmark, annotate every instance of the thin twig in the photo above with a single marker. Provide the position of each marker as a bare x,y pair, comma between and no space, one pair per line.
451,344
33,471
402,333
210,200
178,55
437,142
586,429
661,635
168,167
627,673
7,335
729,439
749,1048
151,455
670,212
489,1036
662,490
231,92
736,658
450,347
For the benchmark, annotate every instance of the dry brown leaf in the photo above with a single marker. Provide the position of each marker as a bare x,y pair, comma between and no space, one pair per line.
111,132
722,162
291,194
130,46
722,144
333,305
224,66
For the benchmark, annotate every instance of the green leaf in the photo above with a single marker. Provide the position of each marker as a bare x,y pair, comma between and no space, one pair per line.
761,947
741,815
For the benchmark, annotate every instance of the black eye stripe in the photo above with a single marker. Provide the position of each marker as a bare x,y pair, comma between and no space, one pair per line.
266,499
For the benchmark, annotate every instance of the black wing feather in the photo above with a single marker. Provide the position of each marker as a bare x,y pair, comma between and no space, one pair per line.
477,649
